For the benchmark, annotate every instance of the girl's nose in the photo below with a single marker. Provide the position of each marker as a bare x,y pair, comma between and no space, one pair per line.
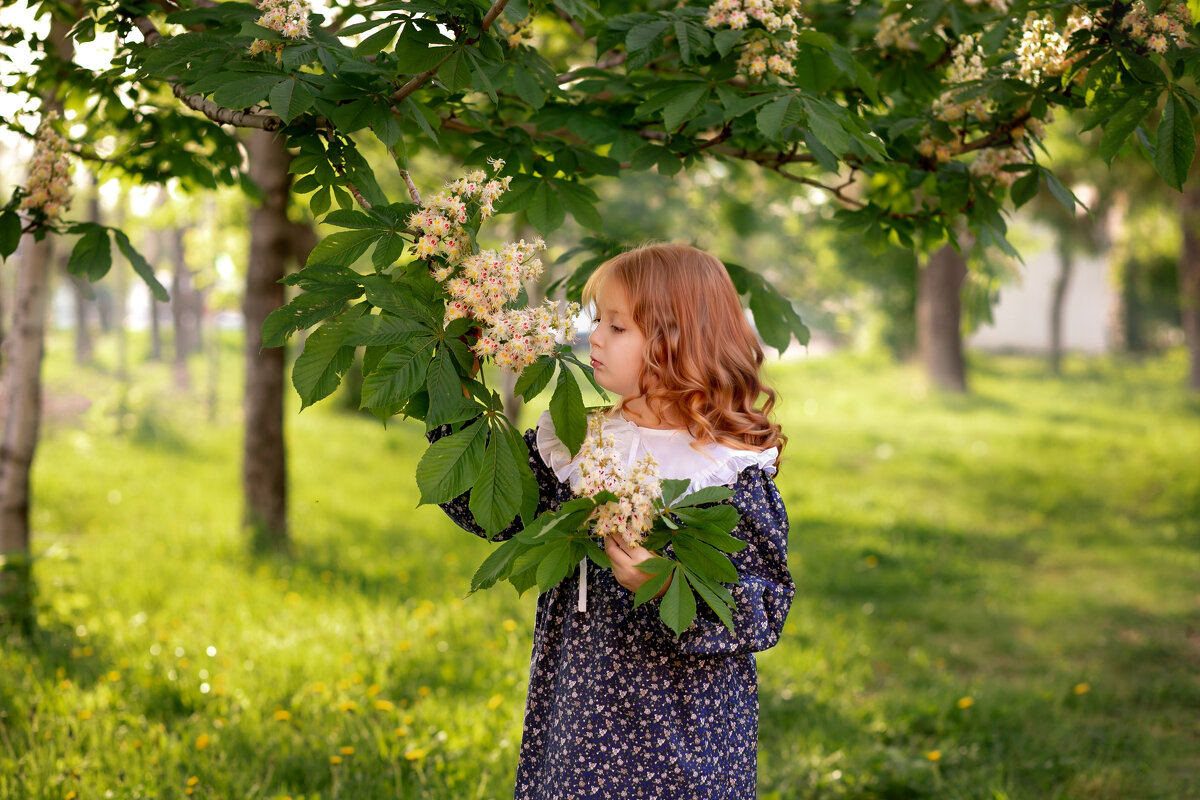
594,337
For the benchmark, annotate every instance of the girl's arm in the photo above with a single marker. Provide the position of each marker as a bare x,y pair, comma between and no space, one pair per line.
459,510
765,589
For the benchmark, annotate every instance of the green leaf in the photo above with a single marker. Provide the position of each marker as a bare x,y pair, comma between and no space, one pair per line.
715,596
1060,192
10,233
386,329
703,560
497,565
555,565
1025,188
678,607
567,411
545,211
446,399
245,92
533,379
400,373
496,493
388,250
376,41
720,540
709,494
642,36
725,40
530,491
770,117
319,369
91,257
1176,143
344,247
455,73
672,488
290,99
684,107
1118,126
304,311
578,199
527,87
647,591
449,466
140,266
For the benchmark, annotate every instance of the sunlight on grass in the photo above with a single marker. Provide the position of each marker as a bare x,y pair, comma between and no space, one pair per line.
995,598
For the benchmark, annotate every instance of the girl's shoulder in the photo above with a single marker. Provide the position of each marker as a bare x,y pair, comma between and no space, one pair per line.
678,454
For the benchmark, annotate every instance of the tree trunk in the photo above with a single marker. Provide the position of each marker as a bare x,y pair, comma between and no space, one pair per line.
939,319
180,301
21,427
153,251
1066,265
264,460
1189,279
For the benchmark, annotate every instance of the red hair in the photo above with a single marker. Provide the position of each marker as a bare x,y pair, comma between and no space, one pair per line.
702,359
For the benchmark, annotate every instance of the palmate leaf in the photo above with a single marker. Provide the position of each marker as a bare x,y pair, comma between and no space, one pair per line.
91,257
326,357
451,464
555,564
304,311
714,595
496,493
140,266
534,378
498,565
567,411
702,559
678,607
1176,143
399,374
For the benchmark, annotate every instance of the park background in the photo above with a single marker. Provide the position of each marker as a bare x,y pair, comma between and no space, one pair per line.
997,584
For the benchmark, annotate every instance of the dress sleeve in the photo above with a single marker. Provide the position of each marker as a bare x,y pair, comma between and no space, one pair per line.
459,509
765,588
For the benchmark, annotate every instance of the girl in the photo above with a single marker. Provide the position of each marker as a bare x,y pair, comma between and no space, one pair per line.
618,707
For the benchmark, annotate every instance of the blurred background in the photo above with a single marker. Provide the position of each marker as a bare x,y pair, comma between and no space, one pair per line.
995,520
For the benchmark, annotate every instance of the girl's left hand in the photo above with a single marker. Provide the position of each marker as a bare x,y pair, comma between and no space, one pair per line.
624,564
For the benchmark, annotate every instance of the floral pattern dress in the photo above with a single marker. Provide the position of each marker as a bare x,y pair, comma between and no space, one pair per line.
618,707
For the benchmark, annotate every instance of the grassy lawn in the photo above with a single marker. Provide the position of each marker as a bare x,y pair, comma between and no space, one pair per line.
999,597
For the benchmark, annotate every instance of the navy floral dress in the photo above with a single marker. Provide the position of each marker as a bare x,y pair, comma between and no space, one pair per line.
618,708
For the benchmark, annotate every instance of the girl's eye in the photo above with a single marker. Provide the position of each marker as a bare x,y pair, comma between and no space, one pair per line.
616,329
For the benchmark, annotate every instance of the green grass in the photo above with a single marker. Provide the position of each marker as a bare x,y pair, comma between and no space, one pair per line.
1008,580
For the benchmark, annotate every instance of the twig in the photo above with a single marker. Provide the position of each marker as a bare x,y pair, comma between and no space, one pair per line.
412,187
836,191
574,23
227,116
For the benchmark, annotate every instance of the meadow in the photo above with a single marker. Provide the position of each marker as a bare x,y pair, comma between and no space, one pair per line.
998,598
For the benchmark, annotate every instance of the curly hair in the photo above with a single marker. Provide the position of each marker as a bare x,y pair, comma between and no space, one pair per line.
702,359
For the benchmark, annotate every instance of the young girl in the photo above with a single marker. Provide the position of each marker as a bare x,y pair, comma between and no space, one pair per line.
618,707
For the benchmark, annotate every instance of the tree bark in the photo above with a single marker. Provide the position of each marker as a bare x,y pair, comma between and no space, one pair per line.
939,319
264,458
1066,265
21,427
1189,279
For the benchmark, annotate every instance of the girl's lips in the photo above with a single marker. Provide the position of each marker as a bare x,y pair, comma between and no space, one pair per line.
596,363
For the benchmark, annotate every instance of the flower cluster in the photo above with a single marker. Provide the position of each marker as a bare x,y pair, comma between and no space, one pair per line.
288,17
763,52
996,5
49,189
1042,51
895,33
441,218
601,469
515,337
966,65
1158,31
515,34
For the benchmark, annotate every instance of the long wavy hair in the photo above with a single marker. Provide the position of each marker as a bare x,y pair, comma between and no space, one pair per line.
702,359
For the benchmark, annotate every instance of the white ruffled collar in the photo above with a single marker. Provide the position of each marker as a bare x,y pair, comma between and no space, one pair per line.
711,464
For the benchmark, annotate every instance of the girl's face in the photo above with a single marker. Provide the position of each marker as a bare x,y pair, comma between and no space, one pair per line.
618,345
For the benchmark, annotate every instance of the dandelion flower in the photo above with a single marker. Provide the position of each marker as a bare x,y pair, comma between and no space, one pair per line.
965,702
415,755
202,741
934,755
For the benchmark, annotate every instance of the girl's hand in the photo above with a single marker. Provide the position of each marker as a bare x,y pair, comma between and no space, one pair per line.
624,564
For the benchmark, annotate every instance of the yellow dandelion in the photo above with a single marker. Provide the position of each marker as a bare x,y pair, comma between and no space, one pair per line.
189,791
374,689
87,650
317,688
934,755
282,715
348,705
356,678
114,676
63,685
192,781
347,750
495,702
84,714
965,702
424,691
509,625
872,561
401,733
202,741
415,755
291,598
408,719
184,663
71,795
404,646
335,760
385,705
1082,688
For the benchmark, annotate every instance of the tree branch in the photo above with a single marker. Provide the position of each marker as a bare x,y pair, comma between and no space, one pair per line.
614,60
574,23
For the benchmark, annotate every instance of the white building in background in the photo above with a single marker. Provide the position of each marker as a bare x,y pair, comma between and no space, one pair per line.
1022,317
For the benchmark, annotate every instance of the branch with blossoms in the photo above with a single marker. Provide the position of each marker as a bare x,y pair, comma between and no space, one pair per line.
689,535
